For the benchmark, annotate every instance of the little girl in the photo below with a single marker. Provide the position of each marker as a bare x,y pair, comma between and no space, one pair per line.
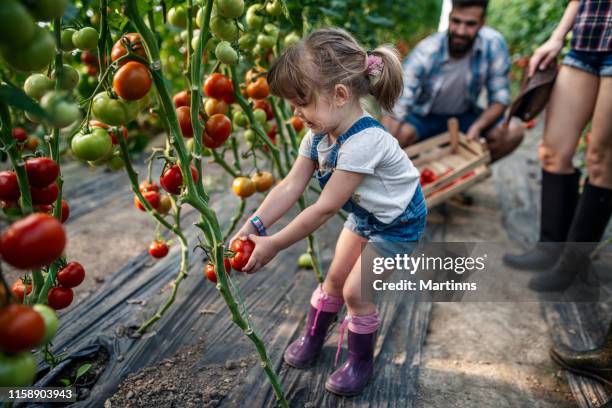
360,167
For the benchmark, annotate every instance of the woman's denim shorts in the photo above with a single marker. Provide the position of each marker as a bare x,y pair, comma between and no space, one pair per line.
596,63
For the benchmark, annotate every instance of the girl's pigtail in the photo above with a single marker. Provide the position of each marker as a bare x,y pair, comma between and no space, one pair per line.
388,84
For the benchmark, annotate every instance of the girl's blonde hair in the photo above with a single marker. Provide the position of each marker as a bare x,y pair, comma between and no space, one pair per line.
331,56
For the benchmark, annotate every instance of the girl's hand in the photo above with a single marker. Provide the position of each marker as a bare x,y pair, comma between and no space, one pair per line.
265,250
545,54
243,233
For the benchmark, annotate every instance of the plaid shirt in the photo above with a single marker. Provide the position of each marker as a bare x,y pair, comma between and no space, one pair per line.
593,26
489,62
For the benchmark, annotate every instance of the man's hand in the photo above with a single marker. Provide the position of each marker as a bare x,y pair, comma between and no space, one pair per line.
474,132
265,250
402,131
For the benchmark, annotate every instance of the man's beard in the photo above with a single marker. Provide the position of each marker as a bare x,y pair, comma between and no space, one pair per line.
459,48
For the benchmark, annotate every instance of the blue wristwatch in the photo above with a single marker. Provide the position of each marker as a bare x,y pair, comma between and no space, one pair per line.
258,224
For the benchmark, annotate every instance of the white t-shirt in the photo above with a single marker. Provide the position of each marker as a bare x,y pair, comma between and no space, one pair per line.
390,177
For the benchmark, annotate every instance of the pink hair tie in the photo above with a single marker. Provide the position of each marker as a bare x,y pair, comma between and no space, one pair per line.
375,65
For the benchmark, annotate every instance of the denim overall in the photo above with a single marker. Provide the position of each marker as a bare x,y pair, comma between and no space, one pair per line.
407,227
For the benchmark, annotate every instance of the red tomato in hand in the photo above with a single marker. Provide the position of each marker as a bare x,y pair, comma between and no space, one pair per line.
243,250
71,275
19,134
219,86
45,195
182,98
158,249
209,270
171,179
9,188
60,298
152,198
21,328
33,242
218,130
19,288
41,171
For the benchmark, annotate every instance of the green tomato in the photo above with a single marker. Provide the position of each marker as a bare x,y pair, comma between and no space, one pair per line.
272,30
47,10
177,16
305,261
226,54
16,25
253,20
265,41
246,41
69,78
200,17
86,38
51,322
224,29
113,112
67,44
92,146
230,8
87,85
61,112
34,56
274,8
240,119
115,162
37,85
291,39
260,116
17,370
250,137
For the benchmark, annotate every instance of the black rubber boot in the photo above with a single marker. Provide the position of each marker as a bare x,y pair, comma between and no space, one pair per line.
595,363
589,224
559,197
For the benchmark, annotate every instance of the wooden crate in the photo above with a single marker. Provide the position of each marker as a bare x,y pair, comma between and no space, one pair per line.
457,162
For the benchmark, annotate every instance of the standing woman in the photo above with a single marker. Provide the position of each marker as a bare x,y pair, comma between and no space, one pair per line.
582,93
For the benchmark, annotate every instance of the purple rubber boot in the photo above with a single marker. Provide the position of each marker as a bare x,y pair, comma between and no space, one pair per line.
352,377
304,351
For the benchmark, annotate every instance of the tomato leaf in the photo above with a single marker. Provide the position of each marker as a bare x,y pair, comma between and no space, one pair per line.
65,381
16,98
82,370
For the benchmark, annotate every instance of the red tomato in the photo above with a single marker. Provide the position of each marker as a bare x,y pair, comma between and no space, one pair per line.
531,124
209,270
45,195
258,89
184,117
65,211
158,249
33,242
182,98
171,179
427,176
147,185
152,198
272,134
88,58
21,328
135,43
219,86
92,70
263,104
218,129
18,289
297,123
19,134
9,188
47,208
71,275
243,251
60,298
132,81
41,171
111,130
